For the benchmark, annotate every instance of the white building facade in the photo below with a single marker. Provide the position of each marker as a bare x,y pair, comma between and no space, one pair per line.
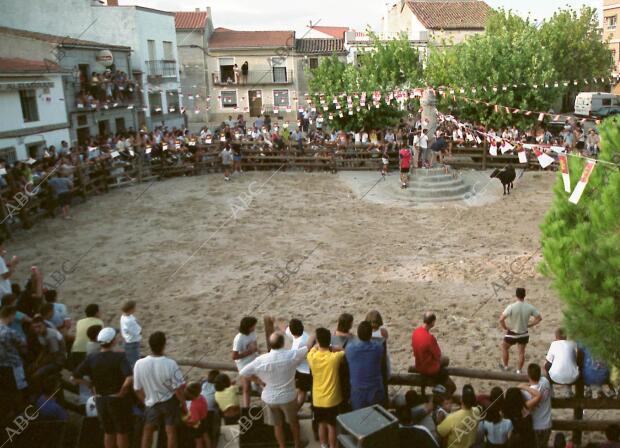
148,32
33,110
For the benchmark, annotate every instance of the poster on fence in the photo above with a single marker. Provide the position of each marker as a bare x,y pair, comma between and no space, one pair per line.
581,185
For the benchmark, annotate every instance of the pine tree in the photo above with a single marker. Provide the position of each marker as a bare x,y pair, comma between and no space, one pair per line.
581,250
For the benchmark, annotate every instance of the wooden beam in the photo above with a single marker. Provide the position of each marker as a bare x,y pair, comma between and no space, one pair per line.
481,374
208,364
583,425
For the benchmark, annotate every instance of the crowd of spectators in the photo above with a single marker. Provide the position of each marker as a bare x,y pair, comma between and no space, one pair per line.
337,371
107,88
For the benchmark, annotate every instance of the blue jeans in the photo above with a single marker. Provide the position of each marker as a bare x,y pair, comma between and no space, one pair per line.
132,352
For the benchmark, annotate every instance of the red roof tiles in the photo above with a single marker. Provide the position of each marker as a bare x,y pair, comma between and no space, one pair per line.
18,65
451,15
337,32
225,38
190,20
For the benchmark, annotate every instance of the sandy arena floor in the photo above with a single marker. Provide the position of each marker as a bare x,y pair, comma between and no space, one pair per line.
197,259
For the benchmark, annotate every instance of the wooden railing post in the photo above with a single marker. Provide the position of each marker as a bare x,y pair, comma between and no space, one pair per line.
578,412
485,150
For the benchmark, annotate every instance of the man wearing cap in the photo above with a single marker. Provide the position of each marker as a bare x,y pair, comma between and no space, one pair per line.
111,379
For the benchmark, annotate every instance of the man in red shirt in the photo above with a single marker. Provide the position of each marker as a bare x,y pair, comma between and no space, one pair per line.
405,164
427,354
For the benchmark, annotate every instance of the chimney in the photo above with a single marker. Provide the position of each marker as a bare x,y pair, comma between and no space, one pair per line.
112,2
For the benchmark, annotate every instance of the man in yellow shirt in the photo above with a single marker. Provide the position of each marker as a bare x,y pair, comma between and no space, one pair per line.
459,428
326,394
78,349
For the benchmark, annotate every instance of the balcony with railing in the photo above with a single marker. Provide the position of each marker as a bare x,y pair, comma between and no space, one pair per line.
161,68
272,76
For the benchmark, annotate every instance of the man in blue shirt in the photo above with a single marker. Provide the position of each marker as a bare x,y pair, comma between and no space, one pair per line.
367,368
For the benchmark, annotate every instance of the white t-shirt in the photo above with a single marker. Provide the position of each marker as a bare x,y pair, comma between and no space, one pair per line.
241,344
299,342
563,358
158,377
130,329
423,141
541,414
5,283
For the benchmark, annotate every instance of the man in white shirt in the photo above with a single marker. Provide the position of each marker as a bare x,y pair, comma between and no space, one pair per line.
6,270
132,332
303,378
561,364
227,159
541,413
158,382
515,320
277,370
423,144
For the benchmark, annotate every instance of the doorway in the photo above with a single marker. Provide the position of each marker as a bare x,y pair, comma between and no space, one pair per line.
256,102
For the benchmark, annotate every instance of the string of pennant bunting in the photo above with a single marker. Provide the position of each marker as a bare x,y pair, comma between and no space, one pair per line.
544,159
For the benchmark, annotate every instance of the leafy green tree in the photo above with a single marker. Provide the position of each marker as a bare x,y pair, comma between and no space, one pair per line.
581,251
506,55
389,65
575,43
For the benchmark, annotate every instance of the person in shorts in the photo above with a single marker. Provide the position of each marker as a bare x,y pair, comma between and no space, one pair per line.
303,378
276,370
158,382
61,187
405,165
325,363
111,377
227,160
515,320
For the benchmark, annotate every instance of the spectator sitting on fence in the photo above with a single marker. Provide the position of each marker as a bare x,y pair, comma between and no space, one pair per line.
459,428
427,354
561,361
277,370
196,418
325,363
367,368
596,374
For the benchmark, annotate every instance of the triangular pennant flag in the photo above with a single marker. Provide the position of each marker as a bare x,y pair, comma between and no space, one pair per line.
493,149
563,158
583,181
541,116
522,155
544,159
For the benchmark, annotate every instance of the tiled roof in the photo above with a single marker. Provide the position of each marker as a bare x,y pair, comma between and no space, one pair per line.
18,65
337,32
451,15
190,20
59,40
320,46
225,38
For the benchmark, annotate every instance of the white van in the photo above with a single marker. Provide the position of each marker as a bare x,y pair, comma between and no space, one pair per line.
597,104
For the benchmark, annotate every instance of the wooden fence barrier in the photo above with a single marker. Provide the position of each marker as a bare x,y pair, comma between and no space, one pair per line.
578,403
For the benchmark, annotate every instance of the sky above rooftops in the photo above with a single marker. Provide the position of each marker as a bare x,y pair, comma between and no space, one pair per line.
296,15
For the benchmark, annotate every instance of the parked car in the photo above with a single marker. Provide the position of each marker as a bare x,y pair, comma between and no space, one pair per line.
597,104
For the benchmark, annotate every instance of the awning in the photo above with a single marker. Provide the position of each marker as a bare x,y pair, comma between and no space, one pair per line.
24,82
